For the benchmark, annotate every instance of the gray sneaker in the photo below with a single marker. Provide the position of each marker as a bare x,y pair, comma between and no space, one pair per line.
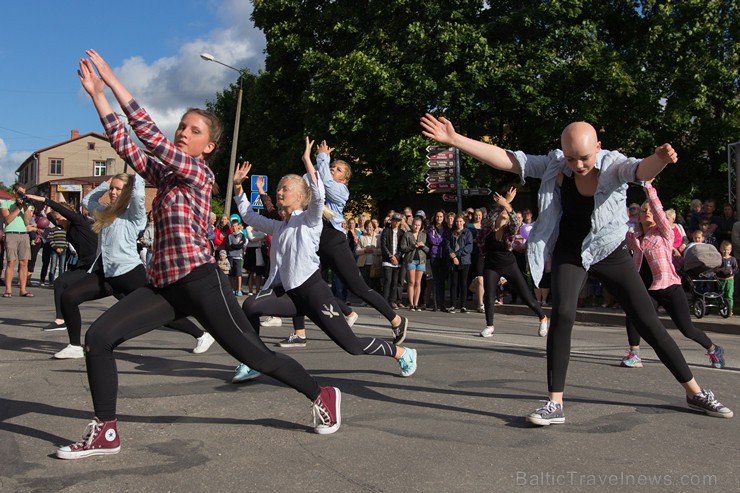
706,402
549,414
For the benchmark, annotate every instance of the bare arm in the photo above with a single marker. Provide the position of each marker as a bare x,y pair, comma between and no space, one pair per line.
442,131
652,165
310,170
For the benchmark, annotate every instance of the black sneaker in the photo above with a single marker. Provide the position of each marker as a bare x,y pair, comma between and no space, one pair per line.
55,326
549,414
706,402
399,333
293,341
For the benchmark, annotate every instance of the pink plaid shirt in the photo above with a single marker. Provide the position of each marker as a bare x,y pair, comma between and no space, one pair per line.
656,246
183,199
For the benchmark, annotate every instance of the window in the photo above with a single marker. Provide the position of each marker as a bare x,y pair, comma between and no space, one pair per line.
55,166
91,146
99,168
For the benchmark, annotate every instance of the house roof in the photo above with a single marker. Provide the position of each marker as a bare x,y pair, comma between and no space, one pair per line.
5,195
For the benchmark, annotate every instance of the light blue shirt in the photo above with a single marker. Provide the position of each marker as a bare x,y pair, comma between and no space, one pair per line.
293,257
337,194
118,240
609,218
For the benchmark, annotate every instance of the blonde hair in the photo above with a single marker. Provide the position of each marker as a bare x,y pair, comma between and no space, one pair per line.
670,214
105,217
347,168
303,188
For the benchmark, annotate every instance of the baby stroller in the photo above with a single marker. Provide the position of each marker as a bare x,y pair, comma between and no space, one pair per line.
700,260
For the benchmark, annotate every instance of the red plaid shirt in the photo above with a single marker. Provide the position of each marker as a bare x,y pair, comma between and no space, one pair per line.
656,246
183,199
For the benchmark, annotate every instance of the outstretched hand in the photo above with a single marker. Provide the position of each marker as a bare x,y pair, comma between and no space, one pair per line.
324,147
307,149
241,172
90,80
260,182
666,154
510,194
103,69
440,129
504,200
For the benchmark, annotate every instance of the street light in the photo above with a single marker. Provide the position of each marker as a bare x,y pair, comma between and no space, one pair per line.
232,160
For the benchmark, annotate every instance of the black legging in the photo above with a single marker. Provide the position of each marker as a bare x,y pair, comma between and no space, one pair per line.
515,278
440,268
334,252
315,300
210,300
674,301
95,286
618,274
458,285
61,284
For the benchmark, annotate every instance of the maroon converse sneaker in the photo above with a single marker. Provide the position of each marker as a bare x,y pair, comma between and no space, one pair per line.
100,438
327,416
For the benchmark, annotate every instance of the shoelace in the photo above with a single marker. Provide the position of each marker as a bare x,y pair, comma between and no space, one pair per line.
91,431
708,397
713,357
320,414
548,408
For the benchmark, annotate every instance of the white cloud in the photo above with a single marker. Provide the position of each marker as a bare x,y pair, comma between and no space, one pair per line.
168,86
10,162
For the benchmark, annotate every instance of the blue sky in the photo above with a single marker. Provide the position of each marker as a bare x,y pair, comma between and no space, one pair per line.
153,46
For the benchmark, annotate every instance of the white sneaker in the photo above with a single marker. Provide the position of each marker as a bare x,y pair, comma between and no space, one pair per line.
203,343
70,352
352,318
542,330
272,322
487,332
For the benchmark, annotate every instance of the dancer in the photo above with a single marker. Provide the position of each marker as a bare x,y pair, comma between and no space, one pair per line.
583,191
294,286
184,279
334,250
495,242
652,251
117,269
85,242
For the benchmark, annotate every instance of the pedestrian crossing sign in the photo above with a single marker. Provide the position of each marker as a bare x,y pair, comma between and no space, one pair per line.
256,201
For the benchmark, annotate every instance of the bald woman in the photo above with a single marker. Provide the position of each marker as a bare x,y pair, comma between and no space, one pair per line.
582,224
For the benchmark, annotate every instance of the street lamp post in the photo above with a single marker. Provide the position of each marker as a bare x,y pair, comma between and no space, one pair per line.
232,159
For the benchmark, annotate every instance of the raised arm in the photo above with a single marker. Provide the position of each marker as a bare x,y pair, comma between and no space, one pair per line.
442,131
108,78
307,163
654,164
91,201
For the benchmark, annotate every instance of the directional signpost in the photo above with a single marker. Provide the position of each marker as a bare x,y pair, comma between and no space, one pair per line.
442,172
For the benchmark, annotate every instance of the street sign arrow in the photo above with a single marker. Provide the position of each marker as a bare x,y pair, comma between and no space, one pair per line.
448,197
441,163
441,179
446,155
436,149
476,191
440,186
441,171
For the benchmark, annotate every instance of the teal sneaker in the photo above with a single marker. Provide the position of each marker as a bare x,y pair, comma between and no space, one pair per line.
244,373
717,357
407,362
631,360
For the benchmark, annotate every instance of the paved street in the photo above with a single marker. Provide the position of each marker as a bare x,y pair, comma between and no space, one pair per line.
456,425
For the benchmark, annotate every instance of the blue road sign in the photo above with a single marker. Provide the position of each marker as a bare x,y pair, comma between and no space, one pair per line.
256,201
254,182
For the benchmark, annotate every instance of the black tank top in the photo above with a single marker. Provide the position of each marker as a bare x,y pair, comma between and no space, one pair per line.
497,252
575,223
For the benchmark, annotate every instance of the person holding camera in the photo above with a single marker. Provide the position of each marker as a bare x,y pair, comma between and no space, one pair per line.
17,216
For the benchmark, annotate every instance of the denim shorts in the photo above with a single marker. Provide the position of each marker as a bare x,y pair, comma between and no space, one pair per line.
416,265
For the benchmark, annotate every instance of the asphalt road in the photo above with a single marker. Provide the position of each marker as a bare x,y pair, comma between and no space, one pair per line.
456,425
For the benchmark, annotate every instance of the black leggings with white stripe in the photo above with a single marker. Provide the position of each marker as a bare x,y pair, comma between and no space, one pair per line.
204,294
315,300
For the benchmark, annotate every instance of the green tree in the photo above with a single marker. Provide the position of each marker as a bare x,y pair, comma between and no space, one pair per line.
513,72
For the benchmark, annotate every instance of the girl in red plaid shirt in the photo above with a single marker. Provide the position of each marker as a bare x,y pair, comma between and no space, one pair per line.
184,278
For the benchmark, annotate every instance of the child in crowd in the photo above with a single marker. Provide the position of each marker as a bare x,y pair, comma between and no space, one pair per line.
705,227
236,252
223,262
726,272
